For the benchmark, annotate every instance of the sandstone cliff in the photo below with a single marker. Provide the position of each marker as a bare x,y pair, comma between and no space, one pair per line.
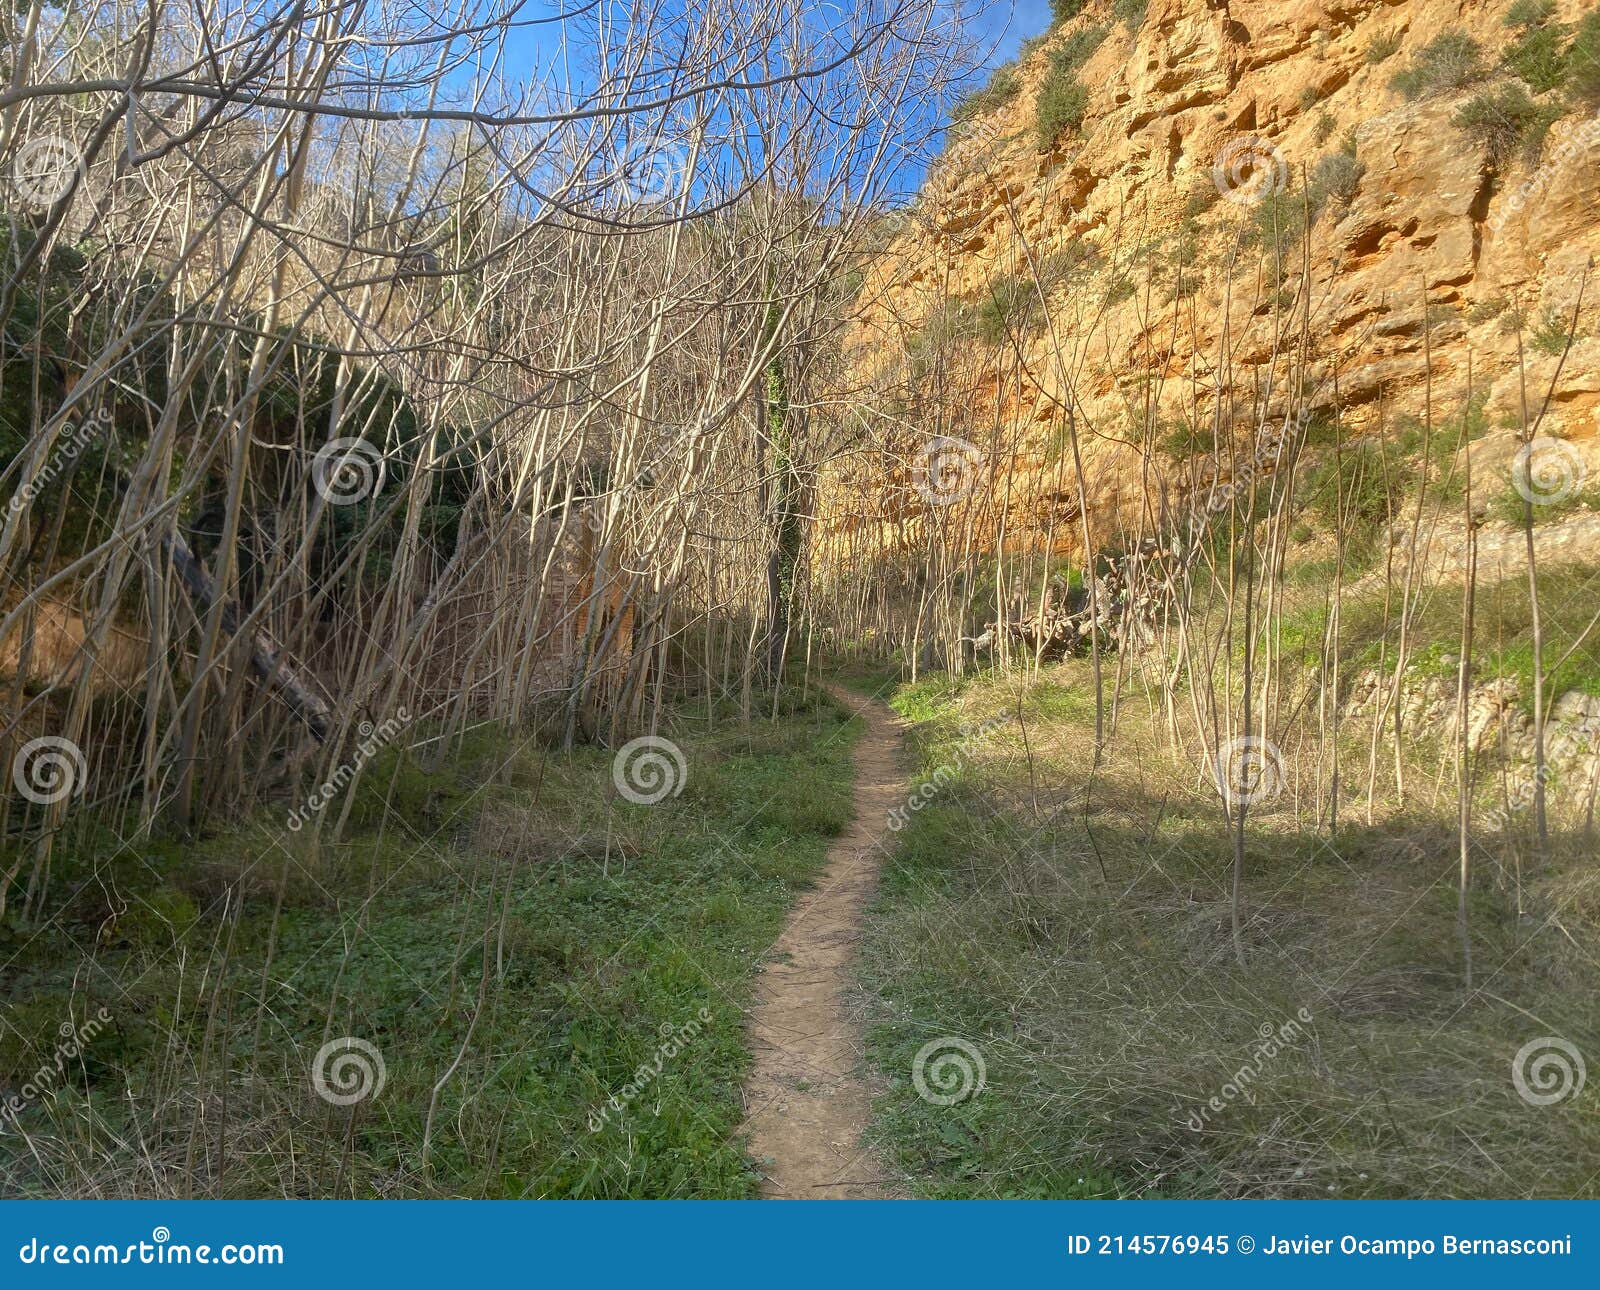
1251,223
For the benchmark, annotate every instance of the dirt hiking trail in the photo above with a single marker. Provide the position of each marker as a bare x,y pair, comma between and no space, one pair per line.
806,1107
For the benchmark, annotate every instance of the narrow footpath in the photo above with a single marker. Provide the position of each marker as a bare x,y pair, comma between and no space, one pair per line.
806,1106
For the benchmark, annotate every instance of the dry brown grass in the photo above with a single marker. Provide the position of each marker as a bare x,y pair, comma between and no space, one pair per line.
1109,1008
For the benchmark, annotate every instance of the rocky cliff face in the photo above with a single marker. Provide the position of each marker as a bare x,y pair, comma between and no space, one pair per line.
1251,224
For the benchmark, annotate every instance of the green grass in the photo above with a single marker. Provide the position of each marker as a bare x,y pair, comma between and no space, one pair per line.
924,700
1504,630
1510,507
620,921
871,678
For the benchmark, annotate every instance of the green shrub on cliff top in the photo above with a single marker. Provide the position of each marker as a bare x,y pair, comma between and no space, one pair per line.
1536,58
1130,13
1003,86
1063,99
1583,62
1452,60
1077,48
1530,13
1061,105
1502,119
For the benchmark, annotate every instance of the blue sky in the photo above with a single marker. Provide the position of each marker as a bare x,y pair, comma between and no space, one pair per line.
997,30
993,31
997,26
1008,25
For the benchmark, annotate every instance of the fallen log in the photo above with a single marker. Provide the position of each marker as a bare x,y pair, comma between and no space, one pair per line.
267,661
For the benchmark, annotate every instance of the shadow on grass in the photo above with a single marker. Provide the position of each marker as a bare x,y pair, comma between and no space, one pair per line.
1086,953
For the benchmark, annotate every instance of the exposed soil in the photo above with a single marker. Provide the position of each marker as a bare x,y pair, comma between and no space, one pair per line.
807,1106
